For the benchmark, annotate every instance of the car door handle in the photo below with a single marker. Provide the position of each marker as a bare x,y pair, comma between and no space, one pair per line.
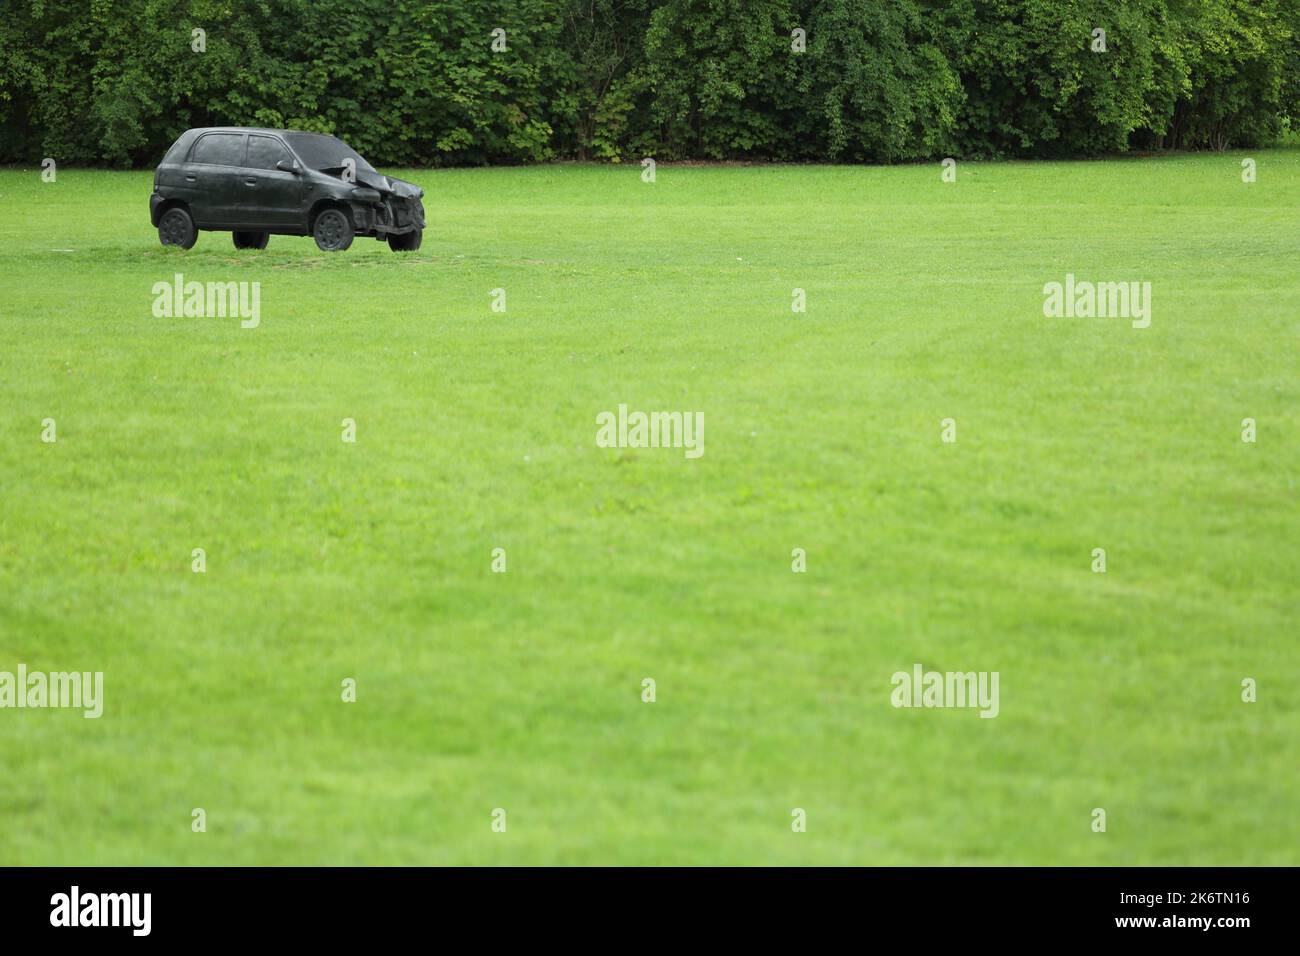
191,178
250,182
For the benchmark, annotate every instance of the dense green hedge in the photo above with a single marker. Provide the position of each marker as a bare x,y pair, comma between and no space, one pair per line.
417,82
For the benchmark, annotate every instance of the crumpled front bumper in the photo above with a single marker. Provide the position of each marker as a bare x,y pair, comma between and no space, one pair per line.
391,216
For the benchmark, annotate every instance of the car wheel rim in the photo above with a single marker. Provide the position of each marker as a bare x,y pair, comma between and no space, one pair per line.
173,230
330,231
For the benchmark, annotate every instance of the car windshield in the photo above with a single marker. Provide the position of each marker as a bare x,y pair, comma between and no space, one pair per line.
325,152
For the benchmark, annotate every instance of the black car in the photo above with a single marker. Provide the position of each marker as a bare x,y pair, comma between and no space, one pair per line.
254,182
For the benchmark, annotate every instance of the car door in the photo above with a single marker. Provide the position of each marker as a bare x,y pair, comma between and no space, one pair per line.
271,196
212,172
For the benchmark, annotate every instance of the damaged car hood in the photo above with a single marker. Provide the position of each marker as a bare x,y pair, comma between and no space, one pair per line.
384,184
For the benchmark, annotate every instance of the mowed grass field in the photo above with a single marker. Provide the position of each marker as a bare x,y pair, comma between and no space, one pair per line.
476,430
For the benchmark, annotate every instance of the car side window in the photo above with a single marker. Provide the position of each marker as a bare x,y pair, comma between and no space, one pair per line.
264,152
177,153
219,149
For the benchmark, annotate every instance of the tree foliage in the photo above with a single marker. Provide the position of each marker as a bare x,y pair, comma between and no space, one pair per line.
419,82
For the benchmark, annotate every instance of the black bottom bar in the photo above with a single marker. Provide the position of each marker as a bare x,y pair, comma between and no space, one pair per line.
331,906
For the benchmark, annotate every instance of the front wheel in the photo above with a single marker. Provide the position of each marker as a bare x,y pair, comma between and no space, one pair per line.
250,240
333,231
406,242
176,228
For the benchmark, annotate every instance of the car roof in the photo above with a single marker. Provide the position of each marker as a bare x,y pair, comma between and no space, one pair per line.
245,129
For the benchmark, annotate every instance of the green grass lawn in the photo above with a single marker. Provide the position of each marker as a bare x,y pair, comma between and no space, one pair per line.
476,430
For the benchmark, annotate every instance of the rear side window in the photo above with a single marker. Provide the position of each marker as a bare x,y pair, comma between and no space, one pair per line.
177,153
264,152
219,149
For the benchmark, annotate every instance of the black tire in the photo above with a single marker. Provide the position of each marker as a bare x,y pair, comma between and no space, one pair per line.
407,242
250,240
333,231
176,228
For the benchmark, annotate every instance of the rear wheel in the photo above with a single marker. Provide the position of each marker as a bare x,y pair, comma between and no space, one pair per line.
333,231
406,242
176,228
250,240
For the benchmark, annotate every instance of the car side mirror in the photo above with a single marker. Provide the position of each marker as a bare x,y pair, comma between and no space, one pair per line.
287,167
